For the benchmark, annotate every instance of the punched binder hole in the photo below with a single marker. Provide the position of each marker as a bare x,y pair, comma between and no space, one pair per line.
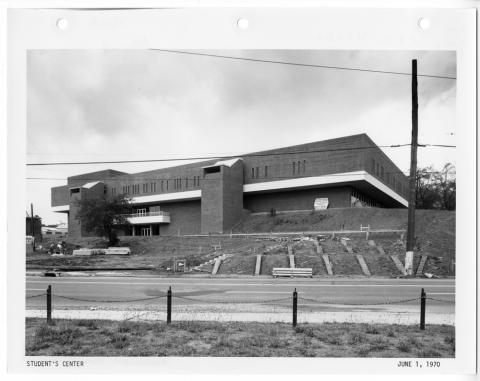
242,23
62,24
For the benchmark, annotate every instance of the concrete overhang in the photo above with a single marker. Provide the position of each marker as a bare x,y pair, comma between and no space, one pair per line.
362,180
160,219
225,163
61,208
167,197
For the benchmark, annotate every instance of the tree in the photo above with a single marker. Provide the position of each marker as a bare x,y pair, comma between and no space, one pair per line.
436,189
447,186
101,215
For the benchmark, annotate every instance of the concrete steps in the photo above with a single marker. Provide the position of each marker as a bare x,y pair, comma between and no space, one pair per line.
421,265
363,265
291,258
399,264
218,262
258,264
328,265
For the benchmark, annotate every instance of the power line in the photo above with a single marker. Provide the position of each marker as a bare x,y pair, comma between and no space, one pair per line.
299,64
231,157
203,179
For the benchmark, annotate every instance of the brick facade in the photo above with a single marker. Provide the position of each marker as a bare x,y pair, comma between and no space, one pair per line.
223,200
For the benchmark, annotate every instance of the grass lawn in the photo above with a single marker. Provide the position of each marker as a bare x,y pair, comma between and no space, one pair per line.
235,339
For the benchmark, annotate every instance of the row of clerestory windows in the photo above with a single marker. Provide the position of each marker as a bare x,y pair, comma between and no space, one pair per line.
163,185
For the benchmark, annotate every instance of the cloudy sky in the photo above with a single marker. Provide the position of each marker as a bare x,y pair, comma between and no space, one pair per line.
86,105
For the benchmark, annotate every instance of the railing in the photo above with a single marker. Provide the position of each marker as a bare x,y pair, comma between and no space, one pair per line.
146,214
295,302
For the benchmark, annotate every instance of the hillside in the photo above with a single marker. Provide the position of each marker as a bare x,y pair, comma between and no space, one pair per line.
435,239
435,229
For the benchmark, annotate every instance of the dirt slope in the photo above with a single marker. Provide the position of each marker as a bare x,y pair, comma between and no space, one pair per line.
435,229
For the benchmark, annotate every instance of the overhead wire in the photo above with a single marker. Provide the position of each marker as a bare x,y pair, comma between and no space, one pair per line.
332,67
260,154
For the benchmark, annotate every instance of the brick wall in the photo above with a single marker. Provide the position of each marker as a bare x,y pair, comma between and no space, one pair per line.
297,200
184,216
222,193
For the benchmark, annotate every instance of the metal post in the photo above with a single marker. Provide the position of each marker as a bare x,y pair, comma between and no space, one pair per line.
294,320
32,226
49,304
169,305
413,175
423,301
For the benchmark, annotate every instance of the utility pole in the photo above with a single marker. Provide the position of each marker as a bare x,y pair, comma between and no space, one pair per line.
413,173
32,225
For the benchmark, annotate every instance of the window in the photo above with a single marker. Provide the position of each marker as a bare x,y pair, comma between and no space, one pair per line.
104,189
153,187
212,169
114,191
177,183
293,167
74,190
298,163
253,173
381,172
167,184
377,172
266,171
304,165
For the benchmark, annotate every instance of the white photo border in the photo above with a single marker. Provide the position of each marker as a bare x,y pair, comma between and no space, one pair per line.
270,28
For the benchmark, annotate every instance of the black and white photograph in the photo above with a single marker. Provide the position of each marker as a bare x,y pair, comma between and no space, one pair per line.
244,202
200,203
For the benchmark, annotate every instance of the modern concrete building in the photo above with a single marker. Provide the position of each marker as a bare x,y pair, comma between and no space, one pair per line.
212,196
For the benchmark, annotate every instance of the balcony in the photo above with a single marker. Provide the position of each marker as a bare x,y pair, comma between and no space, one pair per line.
142,217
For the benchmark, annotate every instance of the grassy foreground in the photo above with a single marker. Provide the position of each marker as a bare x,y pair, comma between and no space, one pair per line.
234,339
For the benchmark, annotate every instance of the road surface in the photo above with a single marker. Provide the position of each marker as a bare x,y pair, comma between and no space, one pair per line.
245,298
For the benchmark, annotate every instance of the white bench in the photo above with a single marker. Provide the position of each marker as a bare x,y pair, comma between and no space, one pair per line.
86,252
292,272
118,251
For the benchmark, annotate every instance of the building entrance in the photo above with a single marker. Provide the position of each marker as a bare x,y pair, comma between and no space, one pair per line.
146,231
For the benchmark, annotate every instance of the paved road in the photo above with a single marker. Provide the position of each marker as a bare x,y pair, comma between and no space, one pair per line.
353,297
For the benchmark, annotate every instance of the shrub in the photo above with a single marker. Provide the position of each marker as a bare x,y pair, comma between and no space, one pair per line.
363,350
404,346
378,344
90,324
356,338
61,336
449,340
391,332
371,329
119,341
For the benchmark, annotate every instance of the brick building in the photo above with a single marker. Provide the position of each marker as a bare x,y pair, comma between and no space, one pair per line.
212,196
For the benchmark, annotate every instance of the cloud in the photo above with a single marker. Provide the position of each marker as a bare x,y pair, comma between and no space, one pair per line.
121,104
